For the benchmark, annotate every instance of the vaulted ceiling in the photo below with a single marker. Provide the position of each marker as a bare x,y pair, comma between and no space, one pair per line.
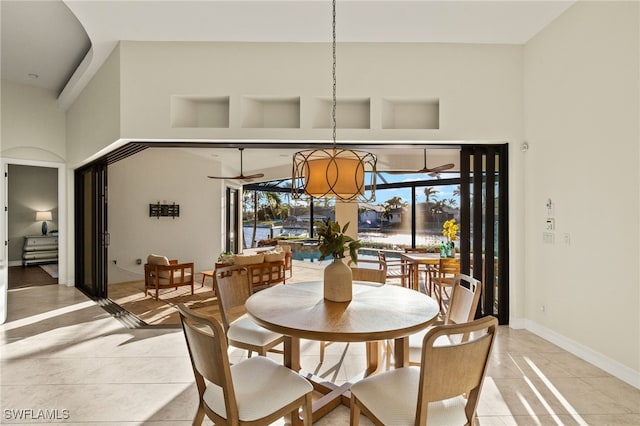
59,45
44,42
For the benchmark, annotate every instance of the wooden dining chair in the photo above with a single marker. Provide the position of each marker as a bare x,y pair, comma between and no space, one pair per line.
254,391
415,250
233,287
376,274
441,278
465,295
396,268
443,390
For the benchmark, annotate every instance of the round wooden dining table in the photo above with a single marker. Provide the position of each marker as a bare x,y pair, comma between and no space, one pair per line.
375,313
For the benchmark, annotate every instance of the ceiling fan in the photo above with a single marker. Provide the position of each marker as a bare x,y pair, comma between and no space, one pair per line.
241,175
431,171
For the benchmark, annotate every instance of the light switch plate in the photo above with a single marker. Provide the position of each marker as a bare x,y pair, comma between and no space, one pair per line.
550,224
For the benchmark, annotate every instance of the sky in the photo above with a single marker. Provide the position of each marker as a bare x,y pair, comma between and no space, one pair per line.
444,192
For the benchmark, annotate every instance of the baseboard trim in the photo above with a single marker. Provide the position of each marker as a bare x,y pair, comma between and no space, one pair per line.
14,263
609,365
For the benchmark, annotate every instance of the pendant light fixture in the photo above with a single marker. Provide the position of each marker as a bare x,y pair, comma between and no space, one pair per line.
339,173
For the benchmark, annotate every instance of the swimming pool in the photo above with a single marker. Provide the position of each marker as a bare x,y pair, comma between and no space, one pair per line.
314,256
308,256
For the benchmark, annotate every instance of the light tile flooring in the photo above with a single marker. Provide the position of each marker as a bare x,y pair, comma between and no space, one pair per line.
62,355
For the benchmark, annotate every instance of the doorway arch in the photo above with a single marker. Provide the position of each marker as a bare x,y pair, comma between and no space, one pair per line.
63,278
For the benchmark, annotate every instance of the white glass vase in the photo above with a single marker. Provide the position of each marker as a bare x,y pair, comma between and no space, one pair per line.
337,282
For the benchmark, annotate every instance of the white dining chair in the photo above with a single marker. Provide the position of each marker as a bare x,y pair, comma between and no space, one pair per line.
443,390
254,391
233,287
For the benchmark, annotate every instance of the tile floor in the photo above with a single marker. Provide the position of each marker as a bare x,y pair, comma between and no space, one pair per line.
63,356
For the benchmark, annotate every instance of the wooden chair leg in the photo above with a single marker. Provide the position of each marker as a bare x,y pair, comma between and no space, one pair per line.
197,420
306,411
323,345
354,417
440,302
388,348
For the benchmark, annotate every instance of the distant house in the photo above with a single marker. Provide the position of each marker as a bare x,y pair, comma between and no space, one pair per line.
436,218
370,214
396,215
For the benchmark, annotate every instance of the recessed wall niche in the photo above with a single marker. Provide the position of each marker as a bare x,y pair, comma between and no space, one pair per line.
270,112
195,111
401,113
351,113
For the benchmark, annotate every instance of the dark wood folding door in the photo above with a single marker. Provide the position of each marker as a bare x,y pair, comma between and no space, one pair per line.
91,239
484,244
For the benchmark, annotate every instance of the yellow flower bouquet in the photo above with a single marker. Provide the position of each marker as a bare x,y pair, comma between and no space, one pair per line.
450,230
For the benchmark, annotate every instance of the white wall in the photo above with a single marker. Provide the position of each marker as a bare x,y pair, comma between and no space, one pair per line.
33,133
167,176
33,127
93,121
479,86
581,108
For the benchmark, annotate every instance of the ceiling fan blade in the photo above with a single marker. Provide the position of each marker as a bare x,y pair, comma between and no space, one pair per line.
439,169
432,171
399,172
241,176
255,176
223,177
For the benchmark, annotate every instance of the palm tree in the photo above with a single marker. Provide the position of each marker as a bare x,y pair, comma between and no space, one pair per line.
247,203
428,192
395,202
274,202
387,212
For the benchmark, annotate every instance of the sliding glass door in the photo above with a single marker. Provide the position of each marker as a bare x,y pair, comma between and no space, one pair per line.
231,221
410,210
92,238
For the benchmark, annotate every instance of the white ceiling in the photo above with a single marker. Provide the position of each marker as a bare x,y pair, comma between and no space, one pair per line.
64,43
50,38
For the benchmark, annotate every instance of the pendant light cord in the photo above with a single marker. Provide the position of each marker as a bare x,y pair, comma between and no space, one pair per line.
333,111
339,173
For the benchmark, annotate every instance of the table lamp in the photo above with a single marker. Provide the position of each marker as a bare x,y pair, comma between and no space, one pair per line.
44,217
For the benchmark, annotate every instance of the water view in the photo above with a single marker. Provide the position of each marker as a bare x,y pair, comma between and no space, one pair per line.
392,239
